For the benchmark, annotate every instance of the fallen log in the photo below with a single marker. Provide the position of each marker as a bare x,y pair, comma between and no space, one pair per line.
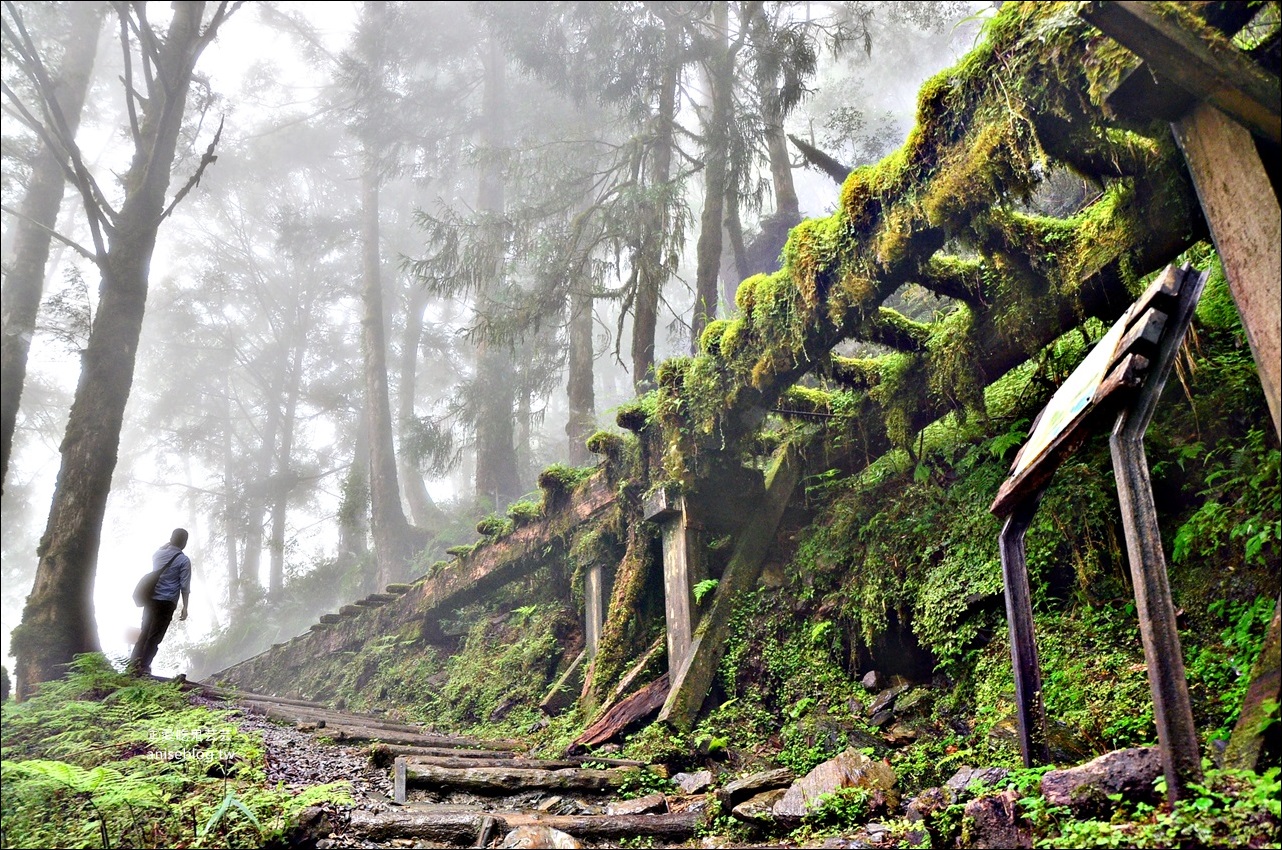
459,828
613,722
674,826
511,780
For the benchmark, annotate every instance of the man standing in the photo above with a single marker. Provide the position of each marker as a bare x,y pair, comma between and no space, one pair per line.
159,610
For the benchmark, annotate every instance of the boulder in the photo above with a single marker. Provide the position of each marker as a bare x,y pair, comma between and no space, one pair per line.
759,809
739,790
693,783
873,680
884,700
540,837
981,777
647,805
1086,788
992,823
851,769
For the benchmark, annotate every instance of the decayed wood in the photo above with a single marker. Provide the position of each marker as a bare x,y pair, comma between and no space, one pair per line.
1246,226
692,683
673,826
1248,735
1125,376
614,721
630,678
511,780
1030,710
459,828
448,752
508,762
1172,711
1214,70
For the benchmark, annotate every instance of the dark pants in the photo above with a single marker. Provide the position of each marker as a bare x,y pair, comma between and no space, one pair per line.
156,617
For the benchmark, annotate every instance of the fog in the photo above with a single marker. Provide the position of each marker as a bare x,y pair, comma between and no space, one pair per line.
510,156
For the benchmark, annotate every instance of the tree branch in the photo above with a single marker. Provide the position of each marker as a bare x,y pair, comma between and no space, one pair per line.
894,330
70,243
820,160
955,277
208,159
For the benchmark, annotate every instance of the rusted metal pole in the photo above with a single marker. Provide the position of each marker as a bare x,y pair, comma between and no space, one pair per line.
1176,732
1030,711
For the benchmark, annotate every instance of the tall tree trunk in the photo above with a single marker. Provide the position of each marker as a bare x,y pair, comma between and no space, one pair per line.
353,510
423,511
579,387
24,271
256,497
58,620
716,141
392,537
231,516
651,268
283,480
496,467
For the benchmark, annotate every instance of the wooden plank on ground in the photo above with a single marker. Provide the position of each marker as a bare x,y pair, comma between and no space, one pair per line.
636,708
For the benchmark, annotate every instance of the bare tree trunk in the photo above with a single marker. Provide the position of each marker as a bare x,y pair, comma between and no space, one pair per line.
579,388
283,480
496,467
257,493
423,511
58,619
651,273
708,251
231,523
353,511
392,537
24,271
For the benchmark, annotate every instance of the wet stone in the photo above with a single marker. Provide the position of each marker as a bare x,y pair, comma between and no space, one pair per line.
693,783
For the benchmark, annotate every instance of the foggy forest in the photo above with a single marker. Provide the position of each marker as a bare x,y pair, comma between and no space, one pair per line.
618,424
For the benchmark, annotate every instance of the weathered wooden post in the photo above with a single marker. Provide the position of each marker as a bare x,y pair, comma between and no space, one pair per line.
593,606
1176,732
1030,709
682,569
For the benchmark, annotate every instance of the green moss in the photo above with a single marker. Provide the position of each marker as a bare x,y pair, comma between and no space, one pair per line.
524,513
559,481
494,526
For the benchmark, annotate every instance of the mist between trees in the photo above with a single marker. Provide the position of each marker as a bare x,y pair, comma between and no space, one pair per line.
327,282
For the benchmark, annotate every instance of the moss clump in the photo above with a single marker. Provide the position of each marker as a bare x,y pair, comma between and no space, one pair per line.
524,513
606,443
494,527
559,481
635,415
461,551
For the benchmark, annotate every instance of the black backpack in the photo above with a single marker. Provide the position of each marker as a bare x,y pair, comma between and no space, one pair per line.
147,584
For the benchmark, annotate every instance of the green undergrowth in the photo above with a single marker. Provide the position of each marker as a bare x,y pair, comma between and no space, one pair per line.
98,759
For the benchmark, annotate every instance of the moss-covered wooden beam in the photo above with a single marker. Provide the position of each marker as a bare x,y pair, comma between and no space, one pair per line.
1024,102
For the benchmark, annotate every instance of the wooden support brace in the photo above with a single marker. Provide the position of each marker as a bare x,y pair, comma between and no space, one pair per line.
694,678
1246,226
1206,66
1030,711
1172,711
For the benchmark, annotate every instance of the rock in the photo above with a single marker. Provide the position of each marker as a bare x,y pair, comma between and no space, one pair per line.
693,783
913,698
994,824
851,769
884,700
873,680
928,803
901,733
856,706
1086,788
647,805
739,790
311,825
539,836
981,777
759,809
880,719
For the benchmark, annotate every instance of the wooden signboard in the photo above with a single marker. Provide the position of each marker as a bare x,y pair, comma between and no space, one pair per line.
1121,378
